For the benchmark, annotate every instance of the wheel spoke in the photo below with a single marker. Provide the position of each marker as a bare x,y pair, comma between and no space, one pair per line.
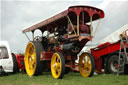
54,59
58,60
31,58
33,62
88,64
84,70
30,66
30,50
58,66
58,71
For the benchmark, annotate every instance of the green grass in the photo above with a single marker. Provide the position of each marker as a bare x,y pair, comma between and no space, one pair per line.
68,79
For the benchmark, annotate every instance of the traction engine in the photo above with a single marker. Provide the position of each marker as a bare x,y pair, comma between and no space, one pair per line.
64,36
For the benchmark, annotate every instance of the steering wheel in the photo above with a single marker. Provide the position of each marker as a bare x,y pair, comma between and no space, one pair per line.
37,38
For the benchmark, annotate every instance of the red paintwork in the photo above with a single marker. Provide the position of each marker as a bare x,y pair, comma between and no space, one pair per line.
90,10
46,55
98,64
102,50
20,61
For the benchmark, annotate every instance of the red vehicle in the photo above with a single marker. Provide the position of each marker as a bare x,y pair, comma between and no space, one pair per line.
20,62
67,33
107,54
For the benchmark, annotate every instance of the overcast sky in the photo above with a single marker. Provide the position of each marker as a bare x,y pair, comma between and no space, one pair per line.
18,15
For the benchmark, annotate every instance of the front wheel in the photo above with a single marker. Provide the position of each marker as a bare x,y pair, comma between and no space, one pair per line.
57,65
86,65
33,65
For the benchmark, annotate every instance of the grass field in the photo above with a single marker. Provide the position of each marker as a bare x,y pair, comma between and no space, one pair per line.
68,79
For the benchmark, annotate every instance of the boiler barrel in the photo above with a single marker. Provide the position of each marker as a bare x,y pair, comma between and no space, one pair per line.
72,48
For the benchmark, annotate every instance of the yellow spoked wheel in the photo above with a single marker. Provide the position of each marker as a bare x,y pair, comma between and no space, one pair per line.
86,65
32,58
57,65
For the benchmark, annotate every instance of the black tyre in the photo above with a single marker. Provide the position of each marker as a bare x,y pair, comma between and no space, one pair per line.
86,65
33,64
57,65
126,69
15,64
1,71
112,64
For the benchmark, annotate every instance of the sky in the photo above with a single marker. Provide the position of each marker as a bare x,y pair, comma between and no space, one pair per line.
16,15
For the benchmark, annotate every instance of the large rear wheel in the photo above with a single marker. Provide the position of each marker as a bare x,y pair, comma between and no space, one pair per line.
57,65
86,65
33,64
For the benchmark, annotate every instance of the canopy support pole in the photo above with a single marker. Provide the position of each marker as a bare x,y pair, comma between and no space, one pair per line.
33,35
78,25
91,25
71,25
27,36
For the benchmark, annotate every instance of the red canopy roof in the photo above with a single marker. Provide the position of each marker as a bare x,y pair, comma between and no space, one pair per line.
61,17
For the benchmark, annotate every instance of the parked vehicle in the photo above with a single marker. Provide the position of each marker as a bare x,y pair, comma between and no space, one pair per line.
9,62
112,52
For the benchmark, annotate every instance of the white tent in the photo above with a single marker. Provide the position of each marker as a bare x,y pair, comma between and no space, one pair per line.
115,36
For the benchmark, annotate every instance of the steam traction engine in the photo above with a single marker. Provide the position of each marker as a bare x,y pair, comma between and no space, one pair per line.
64,35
